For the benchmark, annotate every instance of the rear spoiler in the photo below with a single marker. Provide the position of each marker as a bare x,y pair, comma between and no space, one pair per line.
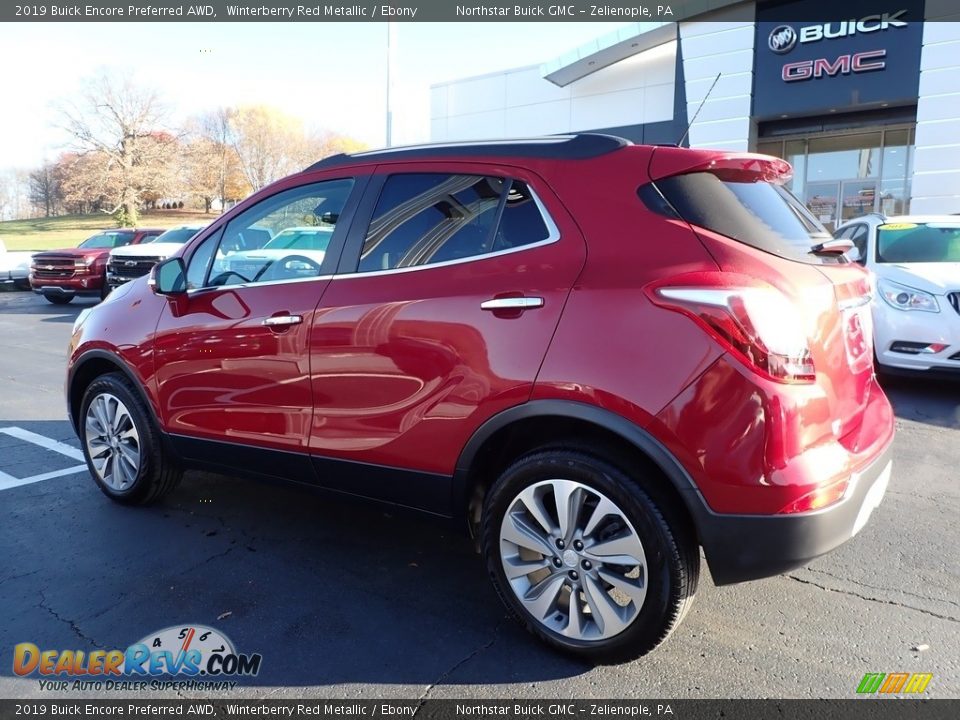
737,167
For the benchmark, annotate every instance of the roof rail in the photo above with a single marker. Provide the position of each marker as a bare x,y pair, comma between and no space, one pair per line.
578,146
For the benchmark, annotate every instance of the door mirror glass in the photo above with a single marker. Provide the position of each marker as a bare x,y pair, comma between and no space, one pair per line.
169,277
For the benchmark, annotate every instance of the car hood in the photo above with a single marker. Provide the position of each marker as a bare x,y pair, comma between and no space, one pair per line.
72,252
15,259
147,250
932,277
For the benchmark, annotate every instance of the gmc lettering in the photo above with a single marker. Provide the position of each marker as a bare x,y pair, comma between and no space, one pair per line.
843,65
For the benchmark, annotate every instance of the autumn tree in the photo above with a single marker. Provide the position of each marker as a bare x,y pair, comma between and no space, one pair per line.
269,144
119,123
212,164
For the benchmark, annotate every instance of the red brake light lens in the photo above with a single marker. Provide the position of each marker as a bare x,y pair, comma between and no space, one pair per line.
757,323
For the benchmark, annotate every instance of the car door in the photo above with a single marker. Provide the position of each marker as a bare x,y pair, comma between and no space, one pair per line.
232,362
447,296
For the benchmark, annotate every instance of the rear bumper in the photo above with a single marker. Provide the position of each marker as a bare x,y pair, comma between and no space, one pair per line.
749,547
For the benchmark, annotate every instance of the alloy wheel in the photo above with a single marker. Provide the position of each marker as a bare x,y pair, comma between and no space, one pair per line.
112,440
573,560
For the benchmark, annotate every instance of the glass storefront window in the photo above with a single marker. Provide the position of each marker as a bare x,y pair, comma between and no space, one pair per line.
841,177
795,153
844,157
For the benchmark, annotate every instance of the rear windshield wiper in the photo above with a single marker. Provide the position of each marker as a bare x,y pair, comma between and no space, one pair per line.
836,246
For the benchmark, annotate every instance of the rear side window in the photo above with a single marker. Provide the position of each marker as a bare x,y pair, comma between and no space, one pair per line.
760,214
429,218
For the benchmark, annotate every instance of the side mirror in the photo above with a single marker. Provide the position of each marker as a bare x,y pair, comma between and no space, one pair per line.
169,277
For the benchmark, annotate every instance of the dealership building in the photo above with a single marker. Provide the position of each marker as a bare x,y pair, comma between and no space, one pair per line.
866,109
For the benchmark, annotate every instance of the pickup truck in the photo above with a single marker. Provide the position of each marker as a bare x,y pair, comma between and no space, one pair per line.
62,275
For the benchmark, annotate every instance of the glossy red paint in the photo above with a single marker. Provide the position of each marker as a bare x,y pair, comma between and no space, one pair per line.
401,368
406,365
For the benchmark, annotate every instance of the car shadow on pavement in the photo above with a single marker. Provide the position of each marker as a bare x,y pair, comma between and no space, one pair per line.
934,402
330,591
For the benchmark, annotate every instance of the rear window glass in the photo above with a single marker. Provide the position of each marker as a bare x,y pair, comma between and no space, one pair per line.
759,214
918,242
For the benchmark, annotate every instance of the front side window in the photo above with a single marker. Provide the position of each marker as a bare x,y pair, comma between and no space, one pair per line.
429,218
918,242
284,237
859,239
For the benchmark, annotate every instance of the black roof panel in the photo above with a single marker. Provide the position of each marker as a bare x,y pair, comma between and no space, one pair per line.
561,147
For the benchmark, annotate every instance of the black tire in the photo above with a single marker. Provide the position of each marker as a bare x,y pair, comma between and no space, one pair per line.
59,299
158,473
672,553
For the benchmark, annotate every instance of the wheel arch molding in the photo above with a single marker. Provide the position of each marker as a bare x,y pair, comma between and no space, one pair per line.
90,365
466,483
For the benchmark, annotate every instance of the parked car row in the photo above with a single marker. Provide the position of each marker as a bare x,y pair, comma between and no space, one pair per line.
61,275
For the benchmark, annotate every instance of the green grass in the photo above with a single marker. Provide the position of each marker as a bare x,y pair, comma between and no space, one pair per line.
71,230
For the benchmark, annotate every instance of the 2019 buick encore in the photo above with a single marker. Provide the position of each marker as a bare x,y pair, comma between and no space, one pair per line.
598,356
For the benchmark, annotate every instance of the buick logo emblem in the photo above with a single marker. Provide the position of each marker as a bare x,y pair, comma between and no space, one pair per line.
782,39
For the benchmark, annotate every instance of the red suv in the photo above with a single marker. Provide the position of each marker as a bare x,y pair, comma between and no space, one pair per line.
61,275
597,356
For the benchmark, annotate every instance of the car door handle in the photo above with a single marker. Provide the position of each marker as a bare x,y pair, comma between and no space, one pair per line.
283,320
512,303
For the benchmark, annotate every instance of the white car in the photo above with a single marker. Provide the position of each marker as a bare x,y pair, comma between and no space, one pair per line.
291,253
15,267
129,262
915,263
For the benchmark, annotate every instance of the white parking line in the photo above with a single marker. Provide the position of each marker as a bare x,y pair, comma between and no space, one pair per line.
8,481
44,442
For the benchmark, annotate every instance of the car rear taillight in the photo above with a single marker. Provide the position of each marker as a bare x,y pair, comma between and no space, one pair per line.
756,322
820,498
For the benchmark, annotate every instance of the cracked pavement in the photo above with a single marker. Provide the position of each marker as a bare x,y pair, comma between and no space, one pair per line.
352,601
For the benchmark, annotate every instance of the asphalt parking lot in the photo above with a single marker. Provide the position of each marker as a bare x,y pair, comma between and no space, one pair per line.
347,601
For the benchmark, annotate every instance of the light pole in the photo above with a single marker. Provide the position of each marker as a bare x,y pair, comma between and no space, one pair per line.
391,42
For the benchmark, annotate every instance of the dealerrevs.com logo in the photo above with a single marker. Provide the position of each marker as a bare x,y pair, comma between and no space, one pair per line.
205,656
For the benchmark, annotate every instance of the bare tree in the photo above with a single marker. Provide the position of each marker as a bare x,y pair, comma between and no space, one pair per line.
121,122
44,188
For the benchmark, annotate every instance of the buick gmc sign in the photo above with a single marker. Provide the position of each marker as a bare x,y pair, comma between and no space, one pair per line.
842,65
784,37
868,58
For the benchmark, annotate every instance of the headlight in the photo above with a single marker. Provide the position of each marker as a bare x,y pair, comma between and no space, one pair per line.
902,297
83,262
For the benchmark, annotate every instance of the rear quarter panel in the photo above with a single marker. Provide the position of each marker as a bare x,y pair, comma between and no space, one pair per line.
613,347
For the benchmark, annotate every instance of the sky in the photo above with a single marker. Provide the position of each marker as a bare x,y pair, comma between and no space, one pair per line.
332,75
